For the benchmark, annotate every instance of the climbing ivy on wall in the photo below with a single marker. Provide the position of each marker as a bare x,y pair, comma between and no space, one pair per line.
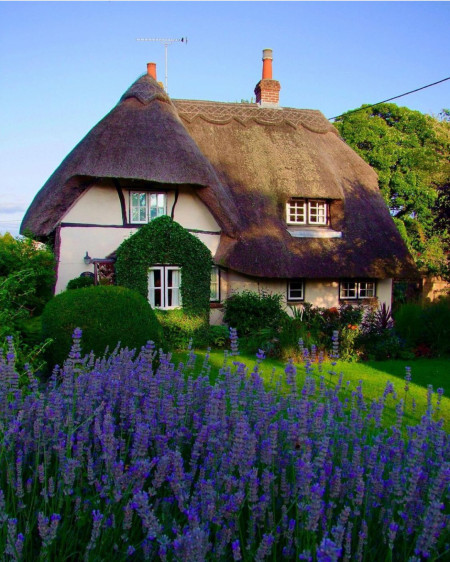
164,241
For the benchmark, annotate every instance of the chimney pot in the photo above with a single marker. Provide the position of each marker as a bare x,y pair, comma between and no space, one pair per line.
151,69
267,64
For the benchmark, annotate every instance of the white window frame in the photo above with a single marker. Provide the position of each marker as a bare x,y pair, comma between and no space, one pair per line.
321,209
290,289
165,288
360,289
148,207
299,208
214,295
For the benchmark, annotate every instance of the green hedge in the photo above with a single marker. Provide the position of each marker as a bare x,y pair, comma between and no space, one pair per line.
105,314
180,328
163,241
249,312
80,283
425,324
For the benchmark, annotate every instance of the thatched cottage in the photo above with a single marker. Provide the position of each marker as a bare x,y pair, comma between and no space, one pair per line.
282,203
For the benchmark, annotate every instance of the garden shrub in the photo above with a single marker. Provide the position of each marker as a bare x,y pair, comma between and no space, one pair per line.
80,282
218,336
249,311
409,323
105,314
163,241
180,328
33,265
425,327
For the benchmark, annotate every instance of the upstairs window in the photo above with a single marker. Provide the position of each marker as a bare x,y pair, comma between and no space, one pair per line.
307,212
145,206
354,290
164,286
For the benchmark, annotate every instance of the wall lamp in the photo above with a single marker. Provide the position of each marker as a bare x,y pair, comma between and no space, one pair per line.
87,259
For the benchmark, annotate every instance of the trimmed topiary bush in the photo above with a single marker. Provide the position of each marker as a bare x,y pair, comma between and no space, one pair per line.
250,312
106,315
163,241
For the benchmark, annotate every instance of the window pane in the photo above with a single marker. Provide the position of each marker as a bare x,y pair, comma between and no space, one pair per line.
154,288
214,287
348,290
173,297
296,212
157,205
295,290
366,289
317,212
138,207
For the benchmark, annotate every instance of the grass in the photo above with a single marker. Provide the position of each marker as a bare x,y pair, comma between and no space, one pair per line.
373,374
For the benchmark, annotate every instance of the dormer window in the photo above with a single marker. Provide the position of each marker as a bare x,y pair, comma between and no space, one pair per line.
307,212
146,206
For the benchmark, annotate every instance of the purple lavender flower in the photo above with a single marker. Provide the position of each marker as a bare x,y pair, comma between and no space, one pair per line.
328,551
234,342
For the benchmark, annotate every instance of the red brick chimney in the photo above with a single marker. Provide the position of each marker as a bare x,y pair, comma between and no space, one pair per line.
151,69
267,91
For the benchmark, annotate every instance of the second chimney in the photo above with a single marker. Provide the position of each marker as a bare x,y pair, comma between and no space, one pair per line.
151,69
267,90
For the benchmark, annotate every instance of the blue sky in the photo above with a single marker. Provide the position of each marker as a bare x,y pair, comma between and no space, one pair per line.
64,65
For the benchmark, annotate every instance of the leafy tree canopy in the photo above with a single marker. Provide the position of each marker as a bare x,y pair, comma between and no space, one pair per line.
410,152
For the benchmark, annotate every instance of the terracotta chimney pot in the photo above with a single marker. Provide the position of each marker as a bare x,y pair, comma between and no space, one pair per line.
151,69
267,64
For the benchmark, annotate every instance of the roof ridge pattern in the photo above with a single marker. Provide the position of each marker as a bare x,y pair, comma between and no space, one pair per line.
221,113
146,92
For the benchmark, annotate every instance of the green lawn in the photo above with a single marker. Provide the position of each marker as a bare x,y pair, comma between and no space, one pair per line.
373,374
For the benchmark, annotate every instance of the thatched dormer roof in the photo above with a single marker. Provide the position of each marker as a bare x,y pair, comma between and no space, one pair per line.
246,161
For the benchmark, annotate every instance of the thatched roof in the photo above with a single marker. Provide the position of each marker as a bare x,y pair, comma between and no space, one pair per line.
246,162
265,156
142,138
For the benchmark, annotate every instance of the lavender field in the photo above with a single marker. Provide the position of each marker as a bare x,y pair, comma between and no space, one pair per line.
132,457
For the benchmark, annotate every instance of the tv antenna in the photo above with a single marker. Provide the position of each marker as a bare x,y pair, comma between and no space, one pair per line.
166,43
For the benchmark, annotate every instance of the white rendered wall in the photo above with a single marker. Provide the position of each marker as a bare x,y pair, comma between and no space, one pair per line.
100,205
384,291
320,293
97,205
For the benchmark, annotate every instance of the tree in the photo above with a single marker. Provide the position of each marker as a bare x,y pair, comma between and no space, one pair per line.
34,264
410,152
27,276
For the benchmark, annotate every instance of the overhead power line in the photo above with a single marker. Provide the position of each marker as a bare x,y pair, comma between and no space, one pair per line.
390,99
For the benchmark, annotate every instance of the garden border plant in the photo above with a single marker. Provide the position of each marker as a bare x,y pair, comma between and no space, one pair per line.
117,458
164,241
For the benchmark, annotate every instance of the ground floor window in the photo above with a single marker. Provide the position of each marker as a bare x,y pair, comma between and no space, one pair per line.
215,284
296,290
357,289
164,286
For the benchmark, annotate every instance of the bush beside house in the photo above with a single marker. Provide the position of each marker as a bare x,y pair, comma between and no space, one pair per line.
106,315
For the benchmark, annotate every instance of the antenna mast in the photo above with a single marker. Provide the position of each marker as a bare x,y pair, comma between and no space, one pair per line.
166,43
